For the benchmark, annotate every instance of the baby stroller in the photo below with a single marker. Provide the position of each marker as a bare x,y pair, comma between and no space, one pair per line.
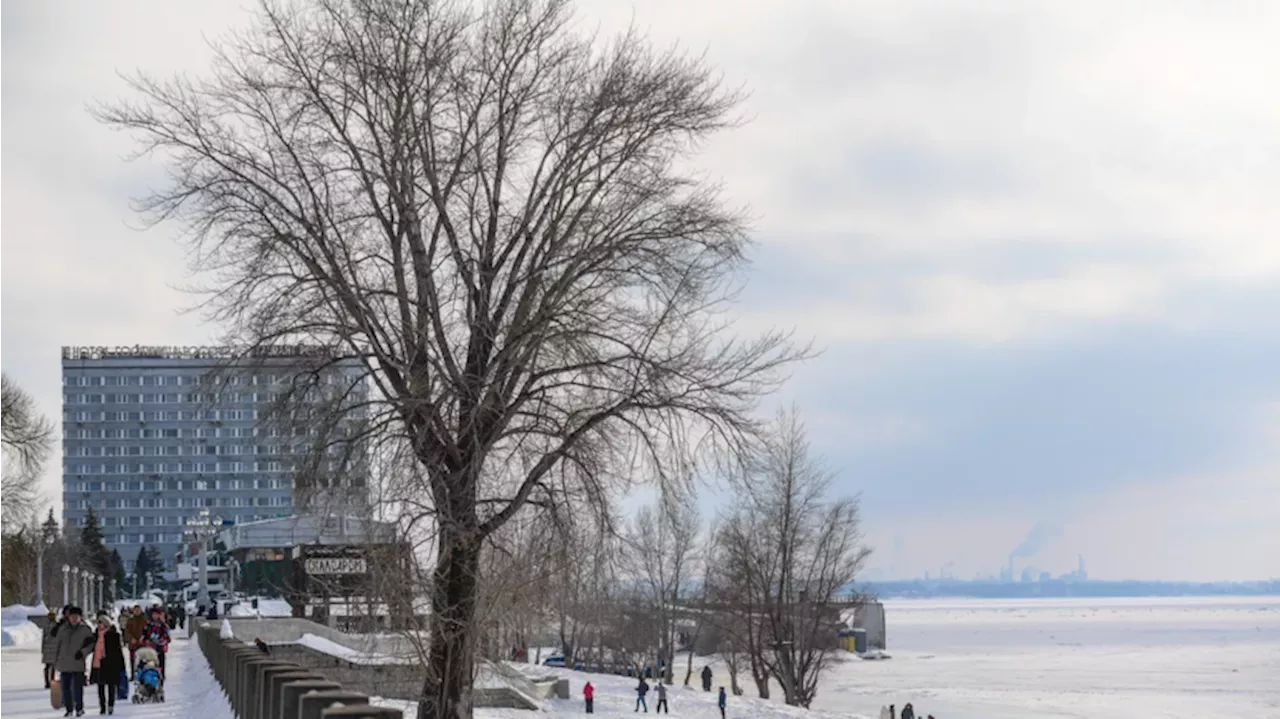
148,683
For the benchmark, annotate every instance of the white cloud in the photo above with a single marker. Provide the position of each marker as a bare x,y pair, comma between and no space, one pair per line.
928,132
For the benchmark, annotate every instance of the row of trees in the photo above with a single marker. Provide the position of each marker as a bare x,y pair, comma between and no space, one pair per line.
763,585
27,438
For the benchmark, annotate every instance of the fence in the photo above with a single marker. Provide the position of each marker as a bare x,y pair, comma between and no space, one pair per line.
260,687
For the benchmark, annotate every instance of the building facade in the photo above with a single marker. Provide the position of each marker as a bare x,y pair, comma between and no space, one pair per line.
154,435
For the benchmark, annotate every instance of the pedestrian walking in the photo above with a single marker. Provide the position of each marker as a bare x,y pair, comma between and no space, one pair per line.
662,699
49,650
589,695
722,701
108,664
908,711
133,628
706,678
74,639
156,635
641,690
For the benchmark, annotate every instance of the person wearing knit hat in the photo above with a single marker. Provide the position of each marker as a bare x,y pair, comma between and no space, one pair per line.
108,663
74,641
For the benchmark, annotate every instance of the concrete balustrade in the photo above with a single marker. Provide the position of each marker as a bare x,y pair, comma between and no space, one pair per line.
291,694
361,713
261,687
313,706
273,698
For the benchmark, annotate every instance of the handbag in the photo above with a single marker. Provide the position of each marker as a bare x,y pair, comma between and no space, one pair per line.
55,693
122,686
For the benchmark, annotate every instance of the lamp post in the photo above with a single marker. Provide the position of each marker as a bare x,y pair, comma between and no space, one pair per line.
46,541
66,598
203,527
102,581
76,586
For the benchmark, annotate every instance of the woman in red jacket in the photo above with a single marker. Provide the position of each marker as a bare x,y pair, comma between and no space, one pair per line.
589,693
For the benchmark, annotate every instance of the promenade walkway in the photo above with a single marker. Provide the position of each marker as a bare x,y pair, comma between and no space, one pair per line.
189,692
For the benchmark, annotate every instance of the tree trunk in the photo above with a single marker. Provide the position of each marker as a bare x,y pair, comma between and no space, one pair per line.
446,693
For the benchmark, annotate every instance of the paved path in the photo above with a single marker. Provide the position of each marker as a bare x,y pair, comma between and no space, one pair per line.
190,691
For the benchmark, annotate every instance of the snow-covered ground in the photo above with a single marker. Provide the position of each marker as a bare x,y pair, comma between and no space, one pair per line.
191,690
266,608
1192,658
1175,658
956,659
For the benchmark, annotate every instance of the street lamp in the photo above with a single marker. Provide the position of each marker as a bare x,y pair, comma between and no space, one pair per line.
76,586
232,568
204,527
46,541
66,599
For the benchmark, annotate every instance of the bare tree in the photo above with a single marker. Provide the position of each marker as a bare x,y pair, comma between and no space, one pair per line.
790,550
489,213
661,552
27,439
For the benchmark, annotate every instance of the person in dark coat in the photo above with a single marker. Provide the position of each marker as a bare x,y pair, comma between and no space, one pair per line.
721,702
642,689
75,642
49,649
108,664
706,679
908,711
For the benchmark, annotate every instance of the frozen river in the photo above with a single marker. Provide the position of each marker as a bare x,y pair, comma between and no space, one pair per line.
1192,658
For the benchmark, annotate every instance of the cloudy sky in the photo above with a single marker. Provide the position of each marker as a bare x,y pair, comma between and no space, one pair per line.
1038,241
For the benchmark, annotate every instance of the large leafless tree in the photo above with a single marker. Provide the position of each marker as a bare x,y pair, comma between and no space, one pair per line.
495,216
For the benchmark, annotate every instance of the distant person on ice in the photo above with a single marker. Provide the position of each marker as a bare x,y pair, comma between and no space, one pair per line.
589,694
706,678
908,711
721,702
641,690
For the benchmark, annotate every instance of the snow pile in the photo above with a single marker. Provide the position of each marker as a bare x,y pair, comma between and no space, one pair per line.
17,630
19,613
25,634
334,649
267,608
225,632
